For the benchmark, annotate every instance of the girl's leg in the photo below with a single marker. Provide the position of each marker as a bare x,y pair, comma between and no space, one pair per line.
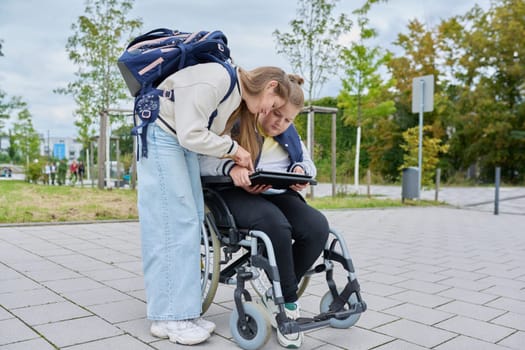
170,228
256,213
310,229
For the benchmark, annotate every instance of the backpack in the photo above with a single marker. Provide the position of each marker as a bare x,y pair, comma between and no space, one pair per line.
152,57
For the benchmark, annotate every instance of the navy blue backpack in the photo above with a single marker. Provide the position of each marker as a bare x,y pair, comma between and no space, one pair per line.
152,57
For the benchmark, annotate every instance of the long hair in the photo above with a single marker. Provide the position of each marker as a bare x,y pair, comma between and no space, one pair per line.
246,134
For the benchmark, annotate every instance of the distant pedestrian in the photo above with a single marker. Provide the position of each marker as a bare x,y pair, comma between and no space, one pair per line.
47,173
73,172
81,171
53,172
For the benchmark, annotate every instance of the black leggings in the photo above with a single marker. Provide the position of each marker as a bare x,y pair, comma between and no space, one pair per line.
282,217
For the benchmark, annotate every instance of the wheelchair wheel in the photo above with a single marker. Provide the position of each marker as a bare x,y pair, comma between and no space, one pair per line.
348,322
256,332
262,283
210,264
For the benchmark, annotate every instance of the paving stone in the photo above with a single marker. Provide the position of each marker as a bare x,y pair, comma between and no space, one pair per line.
474,328
418,313
468,295
28,298
422,286
512,293
127,284
511,320
516,306
466,283
54,274
79,331
372,319
478,312
36,344
354,338
120,342
400,345
4,315
515,341
13,330
463,342
18,284
421,299
109,274
73,284
95,296
416,333
120,311
40,314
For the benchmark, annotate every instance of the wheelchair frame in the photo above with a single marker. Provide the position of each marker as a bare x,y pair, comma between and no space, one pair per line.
339,307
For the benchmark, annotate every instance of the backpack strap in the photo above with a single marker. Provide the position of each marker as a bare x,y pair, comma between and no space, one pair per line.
233,81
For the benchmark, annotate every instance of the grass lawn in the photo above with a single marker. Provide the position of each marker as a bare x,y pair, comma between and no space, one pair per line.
21,202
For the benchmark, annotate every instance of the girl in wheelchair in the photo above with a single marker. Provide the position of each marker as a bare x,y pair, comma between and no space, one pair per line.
298,232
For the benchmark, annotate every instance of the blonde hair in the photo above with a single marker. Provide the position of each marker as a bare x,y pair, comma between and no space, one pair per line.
288,88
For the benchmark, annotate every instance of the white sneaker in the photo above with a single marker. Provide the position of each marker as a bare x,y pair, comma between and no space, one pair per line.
182,332
204,324
293,340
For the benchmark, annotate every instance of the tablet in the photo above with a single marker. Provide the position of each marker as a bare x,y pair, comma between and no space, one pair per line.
277,179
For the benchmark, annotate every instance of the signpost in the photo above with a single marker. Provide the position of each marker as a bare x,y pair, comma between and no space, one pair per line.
422,101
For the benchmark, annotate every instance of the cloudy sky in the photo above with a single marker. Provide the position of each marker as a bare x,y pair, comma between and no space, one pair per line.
35,33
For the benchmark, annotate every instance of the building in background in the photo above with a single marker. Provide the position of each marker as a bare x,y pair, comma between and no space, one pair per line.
60,147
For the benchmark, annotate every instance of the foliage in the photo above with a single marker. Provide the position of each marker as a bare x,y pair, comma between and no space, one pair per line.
432,149
25,140
365,98
95,47
33,171
313,44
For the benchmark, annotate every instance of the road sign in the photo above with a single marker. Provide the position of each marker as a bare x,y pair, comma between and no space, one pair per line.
423,87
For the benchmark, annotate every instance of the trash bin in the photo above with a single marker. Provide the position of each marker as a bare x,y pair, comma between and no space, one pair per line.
409,187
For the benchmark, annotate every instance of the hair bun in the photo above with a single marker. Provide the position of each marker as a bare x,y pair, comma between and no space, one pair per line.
294,78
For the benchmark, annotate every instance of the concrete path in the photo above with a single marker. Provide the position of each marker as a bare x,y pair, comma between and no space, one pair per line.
511,199
433,278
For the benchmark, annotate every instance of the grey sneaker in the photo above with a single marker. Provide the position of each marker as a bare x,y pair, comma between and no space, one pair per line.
182,332
204,324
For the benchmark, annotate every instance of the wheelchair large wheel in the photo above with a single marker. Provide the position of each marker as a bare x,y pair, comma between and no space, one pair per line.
210,264
262,283
256,332
348,322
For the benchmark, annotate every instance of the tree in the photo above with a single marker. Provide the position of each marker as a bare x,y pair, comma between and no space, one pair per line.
313,47
25,139
364,96
95,47
432,148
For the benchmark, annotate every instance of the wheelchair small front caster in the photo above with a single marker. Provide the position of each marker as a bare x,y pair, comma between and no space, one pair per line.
348,322
255,332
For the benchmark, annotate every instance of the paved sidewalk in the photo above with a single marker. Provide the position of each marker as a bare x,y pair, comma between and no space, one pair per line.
433,278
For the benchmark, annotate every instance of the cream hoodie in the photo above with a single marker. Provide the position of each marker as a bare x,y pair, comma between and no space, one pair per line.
198,90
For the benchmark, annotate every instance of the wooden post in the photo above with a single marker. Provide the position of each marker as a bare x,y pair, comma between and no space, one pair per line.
438,180
368,182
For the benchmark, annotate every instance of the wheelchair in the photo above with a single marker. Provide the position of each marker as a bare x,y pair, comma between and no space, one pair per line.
235,256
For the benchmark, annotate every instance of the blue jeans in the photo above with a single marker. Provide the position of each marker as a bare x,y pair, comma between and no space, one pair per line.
171,210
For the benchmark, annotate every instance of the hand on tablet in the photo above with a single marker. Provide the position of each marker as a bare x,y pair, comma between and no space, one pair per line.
240,176
298,187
